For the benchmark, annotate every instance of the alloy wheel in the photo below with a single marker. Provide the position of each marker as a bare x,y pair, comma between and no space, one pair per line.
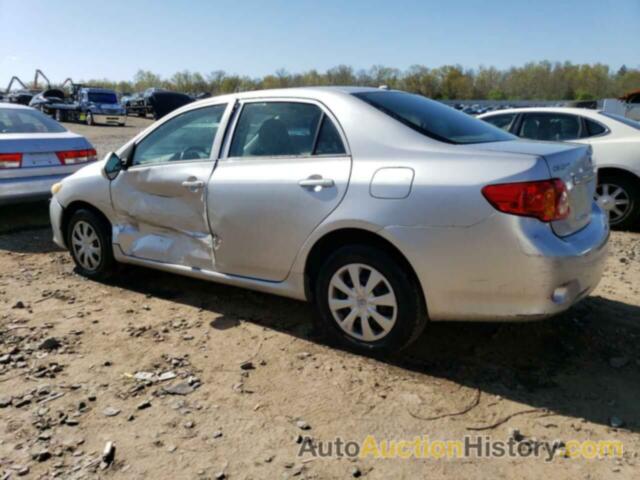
86,245
615,200
362,302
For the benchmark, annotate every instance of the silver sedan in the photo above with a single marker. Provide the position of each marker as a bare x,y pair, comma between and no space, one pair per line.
35,153
385,209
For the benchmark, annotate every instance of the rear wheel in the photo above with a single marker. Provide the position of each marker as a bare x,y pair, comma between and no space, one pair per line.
368,301
89,241
619,195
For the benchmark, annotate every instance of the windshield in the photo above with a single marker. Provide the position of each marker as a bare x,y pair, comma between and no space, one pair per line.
18,120
102,97
627,121
434,119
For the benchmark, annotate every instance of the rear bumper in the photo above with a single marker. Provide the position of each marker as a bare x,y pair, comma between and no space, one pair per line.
504,268
109,119
22,189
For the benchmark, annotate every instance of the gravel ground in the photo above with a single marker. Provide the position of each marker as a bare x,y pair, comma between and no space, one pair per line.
195,380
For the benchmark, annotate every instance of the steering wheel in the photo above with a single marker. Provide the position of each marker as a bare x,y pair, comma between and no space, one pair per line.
192,153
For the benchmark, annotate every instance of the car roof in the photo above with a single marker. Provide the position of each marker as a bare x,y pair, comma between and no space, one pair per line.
304,92
98,89
587,112
14,106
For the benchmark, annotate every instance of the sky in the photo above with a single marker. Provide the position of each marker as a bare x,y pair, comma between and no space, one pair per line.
115,38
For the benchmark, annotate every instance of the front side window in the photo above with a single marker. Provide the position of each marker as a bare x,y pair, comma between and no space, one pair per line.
433,119
550,127
276,129
501,121
186,137
14,120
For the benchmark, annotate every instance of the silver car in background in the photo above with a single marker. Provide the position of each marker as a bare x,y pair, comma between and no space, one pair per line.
385,209
35,153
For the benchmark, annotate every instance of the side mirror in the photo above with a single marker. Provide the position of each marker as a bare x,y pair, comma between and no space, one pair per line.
113,165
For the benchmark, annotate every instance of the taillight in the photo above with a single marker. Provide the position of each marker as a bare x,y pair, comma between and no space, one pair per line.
10,160
546,200
71,157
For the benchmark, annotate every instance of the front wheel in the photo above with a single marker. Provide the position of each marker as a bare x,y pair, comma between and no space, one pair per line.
368,300
90,119
619,195
89,241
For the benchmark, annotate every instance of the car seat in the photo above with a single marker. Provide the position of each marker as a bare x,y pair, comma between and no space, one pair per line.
273,139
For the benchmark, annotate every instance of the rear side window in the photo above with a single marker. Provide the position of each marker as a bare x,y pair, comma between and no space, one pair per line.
594,128
434,119
269,129
14,120
550,127
329,141
501,121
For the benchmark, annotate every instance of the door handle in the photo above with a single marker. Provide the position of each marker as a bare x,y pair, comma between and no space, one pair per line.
316,181
193,184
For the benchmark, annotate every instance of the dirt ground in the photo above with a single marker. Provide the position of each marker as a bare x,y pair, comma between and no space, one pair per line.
229,381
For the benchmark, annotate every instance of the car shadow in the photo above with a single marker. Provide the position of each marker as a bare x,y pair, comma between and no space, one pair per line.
24,216
561,365
27,239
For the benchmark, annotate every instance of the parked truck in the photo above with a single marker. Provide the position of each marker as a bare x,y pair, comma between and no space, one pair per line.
156,102
88,105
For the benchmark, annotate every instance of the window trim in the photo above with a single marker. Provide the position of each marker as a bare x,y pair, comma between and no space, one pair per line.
324,111
213,156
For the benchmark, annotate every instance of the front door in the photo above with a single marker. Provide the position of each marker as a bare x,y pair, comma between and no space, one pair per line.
160,199
286,169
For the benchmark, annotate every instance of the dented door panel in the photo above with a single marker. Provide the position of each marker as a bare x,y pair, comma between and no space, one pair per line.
161,219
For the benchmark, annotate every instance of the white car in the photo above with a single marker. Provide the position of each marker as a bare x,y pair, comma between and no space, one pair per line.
616,150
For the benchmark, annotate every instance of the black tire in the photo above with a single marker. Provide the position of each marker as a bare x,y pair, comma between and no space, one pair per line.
90,121
410,317
631,187
106,263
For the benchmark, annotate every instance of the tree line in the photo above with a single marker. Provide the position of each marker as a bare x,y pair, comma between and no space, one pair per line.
533,81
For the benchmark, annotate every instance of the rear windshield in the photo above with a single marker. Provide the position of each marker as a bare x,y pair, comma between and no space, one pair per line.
17,120
434,119
627,121
101,97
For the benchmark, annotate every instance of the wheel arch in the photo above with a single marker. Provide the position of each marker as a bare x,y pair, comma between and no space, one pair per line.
72,208
340,237
613,170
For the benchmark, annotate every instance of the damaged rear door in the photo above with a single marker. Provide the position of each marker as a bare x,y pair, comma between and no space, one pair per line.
160,198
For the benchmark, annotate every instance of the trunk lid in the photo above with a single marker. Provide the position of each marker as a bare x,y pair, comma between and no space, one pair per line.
575,168
570,162
39,151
